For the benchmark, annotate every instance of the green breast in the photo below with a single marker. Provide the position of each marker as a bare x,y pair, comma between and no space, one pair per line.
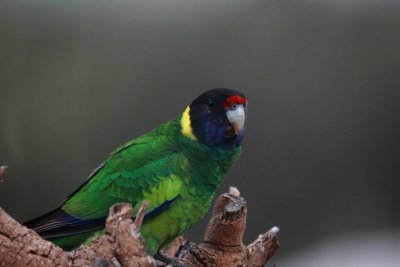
202,175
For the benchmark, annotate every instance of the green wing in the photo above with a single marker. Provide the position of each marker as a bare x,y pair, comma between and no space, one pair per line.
147,168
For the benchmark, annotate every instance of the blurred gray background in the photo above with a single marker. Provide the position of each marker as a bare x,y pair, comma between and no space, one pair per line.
321,153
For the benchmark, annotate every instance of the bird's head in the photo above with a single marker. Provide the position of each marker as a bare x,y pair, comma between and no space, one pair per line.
216,118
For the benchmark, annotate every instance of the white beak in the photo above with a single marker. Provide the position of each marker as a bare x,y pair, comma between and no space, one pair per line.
237,117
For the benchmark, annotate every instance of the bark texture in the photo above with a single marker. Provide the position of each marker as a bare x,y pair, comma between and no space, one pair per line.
122,245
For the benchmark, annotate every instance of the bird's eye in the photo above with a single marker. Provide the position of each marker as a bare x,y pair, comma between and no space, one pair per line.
234,106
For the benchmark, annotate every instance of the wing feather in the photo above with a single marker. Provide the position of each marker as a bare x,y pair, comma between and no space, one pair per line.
145,168
148,164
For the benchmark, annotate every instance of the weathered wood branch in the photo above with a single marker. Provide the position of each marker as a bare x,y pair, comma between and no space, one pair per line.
122,245
222,244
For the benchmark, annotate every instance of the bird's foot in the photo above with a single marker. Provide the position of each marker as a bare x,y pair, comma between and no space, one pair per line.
168,261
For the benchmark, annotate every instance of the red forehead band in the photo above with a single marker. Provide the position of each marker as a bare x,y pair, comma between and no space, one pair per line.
235,99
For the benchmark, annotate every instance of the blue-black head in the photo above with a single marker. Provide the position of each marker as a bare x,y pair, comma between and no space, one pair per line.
216,118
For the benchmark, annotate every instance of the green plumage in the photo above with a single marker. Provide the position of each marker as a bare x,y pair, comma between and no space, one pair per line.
161,166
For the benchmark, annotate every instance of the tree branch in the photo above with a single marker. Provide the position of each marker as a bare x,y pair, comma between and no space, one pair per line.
122,246
222,244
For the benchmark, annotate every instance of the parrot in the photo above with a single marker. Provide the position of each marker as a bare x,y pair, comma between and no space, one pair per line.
176,168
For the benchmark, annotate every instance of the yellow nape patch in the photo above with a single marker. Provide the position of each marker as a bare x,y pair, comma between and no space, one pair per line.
186,125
